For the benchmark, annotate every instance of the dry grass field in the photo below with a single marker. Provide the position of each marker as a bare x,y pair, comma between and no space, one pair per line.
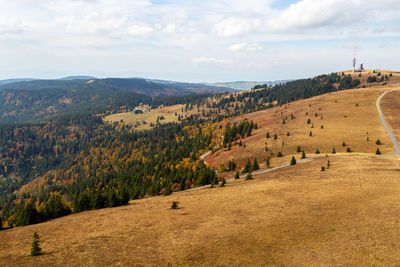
295,216
149,117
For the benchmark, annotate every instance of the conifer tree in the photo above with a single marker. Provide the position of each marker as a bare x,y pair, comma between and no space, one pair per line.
223,182
247,168
256,166
293,161
303,155
378,152
237,176
279,155
268,163
35,249
333,151
298,148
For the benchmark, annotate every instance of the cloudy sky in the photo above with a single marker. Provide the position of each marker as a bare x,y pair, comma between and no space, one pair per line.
190,40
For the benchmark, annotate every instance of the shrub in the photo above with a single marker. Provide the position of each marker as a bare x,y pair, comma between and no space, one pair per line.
348,150
279,155
322,168
344,144
309,121
237,176
333,151
317,151
303,155
371,79
275,136
378,142
267,135
378,152
310,133
174,205
268,163
293,161
35,249
249,176
329,164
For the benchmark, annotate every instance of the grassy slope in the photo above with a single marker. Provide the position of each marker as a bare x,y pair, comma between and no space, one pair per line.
294,216
342,120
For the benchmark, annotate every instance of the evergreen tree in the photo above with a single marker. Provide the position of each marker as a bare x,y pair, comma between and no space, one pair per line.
256,166
344,144
268,163
322,168
275,136
378,152
333,151
317,151
247,168
293,161
279,155
348,150
223,182
378,142
237,176
268,136
298,148
329,164
35,249
303,155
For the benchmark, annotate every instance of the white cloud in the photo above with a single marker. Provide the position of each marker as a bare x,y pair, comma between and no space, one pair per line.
245,47
235,26
210,60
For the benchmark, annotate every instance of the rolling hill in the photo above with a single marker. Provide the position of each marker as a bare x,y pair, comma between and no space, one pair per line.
292,216
343,193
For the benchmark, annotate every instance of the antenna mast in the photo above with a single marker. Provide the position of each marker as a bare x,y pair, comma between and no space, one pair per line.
355,59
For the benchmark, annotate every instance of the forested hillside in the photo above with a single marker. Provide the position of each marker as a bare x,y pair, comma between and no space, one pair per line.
75,161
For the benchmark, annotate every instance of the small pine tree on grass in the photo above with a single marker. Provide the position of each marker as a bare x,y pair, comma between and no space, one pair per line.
268,136
268,163
322,168
174,205
256,166
279,155
378,152
343,144
378,142
298,149
348,150
35,249
237,176
333,151
223,182
275,136
293,161
249,176
317,151
329,164
303,155
310,133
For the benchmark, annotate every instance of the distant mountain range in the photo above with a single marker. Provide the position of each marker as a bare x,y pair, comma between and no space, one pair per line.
24,100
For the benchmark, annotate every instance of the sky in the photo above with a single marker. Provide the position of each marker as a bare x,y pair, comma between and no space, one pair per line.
197,41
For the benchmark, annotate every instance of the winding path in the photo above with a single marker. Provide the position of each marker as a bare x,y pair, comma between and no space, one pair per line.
385,125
